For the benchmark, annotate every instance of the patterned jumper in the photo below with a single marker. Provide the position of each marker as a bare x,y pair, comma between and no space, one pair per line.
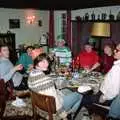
43,84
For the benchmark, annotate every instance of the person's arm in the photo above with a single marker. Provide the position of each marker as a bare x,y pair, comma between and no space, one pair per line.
96,65
22,60
7,74
111,85
96,62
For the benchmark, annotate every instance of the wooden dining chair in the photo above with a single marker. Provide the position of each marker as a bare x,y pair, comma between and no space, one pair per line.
43,102
2,98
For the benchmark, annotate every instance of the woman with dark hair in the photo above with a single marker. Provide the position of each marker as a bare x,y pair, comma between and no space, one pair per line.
44,84
107,59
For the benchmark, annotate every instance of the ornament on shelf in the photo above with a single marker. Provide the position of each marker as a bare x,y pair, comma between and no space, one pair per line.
103,16
86,16
118,16
78,18
111,16
98,18
93,16
83,18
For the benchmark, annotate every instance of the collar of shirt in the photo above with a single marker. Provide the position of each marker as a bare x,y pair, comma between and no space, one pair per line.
3,58
117,62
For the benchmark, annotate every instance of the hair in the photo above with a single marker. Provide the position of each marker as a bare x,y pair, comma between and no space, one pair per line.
88,43
3,45
40,58
31,47
109,45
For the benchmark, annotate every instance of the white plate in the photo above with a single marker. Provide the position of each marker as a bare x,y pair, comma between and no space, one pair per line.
18,103
83,89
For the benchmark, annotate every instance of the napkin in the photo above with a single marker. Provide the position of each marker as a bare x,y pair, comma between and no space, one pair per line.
18,102
83,89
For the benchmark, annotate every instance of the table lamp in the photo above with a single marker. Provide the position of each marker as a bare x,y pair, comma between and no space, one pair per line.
100,30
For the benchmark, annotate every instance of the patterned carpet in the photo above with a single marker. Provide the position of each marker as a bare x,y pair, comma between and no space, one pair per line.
25,113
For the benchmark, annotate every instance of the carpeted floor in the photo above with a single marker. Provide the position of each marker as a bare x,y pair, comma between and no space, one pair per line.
25,113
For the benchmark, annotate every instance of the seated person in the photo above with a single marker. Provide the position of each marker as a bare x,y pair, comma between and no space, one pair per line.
110,87
8,72
26,60
88,59
107,59
62,52
44,84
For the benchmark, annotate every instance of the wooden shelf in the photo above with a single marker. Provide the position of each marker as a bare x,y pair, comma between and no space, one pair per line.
96,20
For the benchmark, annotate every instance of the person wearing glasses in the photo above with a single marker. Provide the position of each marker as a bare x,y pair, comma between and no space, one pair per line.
110,87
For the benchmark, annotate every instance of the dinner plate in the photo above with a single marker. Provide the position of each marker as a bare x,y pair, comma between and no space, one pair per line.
18,103
84,88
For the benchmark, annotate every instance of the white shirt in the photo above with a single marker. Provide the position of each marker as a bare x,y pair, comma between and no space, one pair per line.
111,85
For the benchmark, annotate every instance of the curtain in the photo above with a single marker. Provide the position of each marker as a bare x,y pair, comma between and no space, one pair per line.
68,29
51,29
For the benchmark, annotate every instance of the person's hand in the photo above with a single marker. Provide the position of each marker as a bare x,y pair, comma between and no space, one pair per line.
18,67
30,67
102,99
87,69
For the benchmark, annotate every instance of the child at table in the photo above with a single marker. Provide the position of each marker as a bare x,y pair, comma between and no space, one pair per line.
44,84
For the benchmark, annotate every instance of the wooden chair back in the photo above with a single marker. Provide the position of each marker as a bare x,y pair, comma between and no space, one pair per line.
2,97
43,102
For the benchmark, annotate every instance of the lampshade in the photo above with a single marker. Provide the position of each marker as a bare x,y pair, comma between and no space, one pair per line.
101,29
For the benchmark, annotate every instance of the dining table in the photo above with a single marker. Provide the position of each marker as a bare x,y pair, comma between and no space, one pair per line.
82,78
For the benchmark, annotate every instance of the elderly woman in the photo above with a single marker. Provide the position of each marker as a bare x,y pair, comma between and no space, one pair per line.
44,84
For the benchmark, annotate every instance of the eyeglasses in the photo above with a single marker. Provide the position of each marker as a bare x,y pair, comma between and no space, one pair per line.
116,50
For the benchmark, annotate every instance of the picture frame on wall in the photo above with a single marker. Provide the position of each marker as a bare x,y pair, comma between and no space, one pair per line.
14,23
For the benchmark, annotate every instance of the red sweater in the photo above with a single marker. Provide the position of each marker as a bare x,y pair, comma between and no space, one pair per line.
106,63
86,59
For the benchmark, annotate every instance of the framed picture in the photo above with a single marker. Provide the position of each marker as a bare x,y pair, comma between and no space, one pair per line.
14,23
